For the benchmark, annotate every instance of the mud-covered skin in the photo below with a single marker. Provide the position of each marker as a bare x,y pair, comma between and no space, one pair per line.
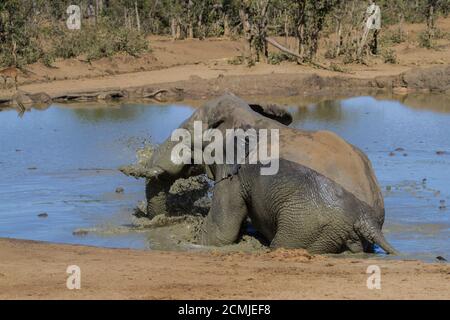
166,194
322,151
160,172
296,208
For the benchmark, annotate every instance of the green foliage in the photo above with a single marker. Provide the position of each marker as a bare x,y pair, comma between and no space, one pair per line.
309,19
396,36
426,39
278,57
30,33
389,56
336,68
238,60
18,44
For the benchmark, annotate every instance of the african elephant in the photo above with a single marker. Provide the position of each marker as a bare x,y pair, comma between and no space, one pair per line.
297,208
334,178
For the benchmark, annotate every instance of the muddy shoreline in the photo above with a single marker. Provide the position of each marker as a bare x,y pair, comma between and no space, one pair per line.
307,85
36,270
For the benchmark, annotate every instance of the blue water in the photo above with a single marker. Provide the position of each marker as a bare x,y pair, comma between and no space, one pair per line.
63,161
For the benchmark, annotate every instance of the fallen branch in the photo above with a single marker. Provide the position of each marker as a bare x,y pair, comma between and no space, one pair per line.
292,53
282,48
154,95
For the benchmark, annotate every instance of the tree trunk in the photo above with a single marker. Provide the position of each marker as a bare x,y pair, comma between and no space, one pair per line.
430,20
138,20
300,29
286,28
173,28
14,53
300,39
201,33
226,25
150,15
400,27
178,36
246,28
339,36
363,42
190,29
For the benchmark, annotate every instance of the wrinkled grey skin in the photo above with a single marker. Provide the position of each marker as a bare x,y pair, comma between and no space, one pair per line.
299,207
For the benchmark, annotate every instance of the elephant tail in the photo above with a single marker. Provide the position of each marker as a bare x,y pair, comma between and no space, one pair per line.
368,229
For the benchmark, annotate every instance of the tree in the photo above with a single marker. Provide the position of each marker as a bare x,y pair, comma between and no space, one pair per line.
309,18
254,19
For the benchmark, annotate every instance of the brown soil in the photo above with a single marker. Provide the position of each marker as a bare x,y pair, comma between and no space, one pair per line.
32,270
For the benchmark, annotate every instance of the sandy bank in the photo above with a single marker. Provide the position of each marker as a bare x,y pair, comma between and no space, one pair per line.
33,270
202,82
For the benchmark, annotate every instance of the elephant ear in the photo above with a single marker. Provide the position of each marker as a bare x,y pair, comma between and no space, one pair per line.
273,112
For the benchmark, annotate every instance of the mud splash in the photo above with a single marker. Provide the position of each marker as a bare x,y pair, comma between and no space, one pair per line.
177,233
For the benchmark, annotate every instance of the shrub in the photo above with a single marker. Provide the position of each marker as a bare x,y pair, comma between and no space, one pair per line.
238,60
389,56
426,40
51,40
278,57
397,36
336,68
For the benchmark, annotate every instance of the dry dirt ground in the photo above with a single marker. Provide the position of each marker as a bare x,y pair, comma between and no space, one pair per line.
33,270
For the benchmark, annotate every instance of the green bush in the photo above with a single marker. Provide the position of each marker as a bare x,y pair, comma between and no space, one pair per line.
397,36
50,40
238,60
278,57
389,56
97,42
426,40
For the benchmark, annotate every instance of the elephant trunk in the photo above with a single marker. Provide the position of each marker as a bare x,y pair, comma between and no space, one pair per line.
368,229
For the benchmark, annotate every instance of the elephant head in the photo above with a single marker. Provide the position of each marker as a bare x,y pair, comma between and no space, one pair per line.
226,112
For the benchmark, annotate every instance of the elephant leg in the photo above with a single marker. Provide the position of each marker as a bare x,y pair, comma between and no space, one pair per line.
156,194
276,242
354,246
228,211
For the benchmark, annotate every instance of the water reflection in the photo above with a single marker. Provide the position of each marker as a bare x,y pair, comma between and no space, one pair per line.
431,102
110,114
327,110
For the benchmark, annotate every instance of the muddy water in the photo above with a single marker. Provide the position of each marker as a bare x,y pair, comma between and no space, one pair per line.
62,162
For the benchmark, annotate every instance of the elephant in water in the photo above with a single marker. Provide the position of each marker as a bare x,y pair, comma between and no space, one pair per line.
324,197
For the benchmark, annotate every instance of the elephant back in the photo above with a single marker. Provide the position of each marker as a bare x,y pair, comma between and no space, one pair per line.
336,159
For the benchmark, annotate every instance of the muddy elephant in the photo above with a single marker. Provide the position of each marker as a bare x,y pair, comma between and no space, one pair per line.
324,198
